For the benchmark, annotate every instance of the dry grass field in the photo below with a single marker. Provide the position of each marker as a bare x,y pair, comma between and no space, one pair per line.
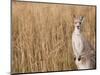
41,35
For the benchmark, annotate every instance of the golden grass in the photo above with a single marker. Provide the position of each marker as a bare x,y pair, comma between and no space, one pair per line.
41,35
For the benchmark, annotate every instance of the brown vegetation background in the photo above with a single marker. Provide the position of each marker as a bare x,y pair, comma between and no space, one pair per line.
41,35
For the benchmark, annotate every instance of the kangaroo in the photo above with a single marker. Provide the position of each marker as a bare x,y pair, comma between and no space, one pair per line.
84,53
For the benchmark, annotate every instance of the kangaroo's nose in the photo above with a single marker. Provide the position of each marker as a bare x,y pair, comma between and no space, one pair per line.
78,27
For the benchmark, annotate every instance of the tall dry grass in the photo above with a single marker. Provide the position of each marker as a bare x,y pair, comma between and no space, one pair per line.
41,35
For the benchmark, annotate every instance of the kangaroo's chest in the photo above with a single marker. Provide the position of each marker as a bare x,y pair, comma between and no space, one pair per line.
78,42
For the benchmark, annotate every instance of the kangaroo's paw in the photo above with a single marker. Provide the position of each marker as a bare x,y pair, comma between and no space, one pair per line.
79,58
74,58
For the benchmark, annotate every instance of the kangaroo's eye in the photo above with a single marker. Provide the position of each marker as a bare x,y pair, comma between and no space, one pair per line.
79,22
75,22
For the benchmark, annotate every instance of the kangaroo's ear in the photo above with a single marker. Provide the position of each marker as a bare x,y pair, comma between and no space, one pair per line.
82,18
74,16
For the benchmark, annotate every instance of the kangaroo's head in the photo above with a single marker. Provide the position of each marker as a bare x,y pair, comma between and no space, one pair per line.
78,20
